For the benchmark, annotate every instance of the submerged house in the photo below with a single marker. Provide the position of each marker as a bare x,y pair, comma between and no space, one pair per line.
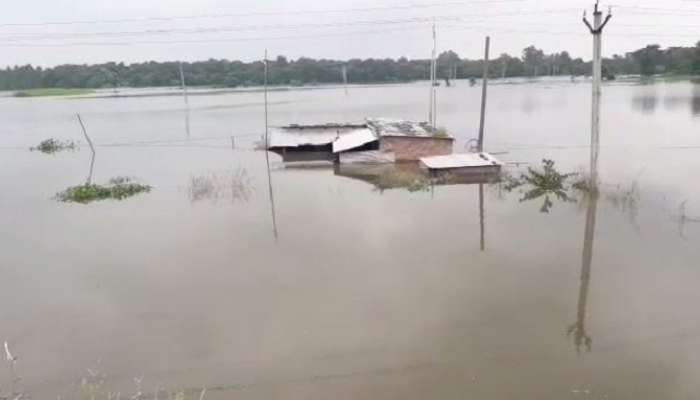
378,140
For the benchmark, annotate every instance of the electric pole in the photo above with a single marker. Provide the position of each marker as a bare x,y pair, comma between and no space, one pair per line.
597,32
485,84
432,110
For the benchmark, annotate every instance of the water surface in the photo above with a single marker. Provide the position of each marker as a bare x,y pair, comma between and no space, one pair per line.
363,293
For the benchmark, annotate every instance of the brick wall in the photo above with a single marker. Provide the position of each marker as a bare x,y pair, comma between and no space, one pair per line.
411,148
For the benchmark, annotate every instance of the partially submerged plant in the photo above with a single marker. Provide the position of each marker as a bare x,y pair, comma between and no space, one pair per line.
118,189
50,146
216,185
14,393
542,182
440,133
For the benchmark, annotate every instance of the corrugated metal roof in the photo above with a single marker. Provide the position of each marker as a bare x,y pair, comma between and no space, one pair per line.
399,127
353,139
317,135
465,160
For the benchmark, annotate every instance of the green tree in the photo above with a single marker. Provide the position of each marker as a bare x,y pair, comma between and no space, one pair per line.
533,59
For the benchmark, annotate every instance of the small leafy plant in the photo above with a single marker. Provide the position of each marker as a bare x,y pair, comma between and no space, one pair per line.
50,146
440,133
118,188
544,182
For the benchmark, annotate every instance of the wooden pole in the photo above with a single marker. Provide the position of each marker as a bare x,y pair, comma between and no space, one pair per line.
597,32
483,95
92,148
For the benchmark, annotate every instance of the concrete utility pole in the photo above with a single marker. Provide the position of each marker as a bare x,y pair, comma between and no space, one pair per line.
483,95
597,32
433,69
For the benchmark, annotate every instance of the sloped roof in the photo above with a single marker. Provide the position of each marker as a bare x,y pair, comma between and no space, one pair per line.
354,139
315,135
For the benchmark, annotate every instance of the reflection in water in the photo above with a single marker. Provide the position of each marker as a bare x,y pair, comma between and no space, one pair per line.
646,103
387,176
529,104
411,177
187,123
407,176
684,218
578,329
482,226
695,101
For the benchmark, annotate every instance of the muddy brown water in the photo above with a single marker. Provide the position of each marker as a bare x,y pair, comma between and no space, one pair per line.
365,293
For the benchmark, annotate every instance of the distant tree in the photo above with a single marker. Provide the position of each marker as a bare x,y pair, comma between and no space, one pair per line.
648,59
695,69
533,59
447,62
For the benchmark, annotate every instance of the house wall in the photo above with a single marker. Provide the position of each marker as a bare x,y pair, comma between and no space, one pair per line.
412,148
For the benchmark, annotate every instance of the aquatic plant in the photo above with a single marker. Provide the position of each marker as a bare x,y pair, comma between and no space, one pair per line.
118,189
545,182
14,391
213,186
50,146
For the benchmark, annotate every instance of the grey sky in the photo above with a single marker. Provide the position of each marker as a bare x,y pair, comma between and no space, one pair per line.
338,29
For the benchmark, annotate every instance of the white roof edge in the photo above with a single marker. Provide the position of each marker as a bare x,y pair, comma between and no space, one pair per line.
461,160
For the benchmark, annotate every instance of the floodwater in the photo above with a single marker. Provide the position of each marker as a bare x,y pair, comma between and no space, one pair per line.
352,291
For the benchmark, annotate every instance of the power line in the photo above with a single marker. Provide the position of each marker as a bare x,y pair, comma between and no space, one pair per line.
195,41
263,13
199,30
233,28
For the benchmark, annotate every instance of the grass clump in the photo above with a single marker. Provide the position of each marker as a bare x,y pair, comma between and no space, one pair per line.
440,133
118,188
50,146
53,92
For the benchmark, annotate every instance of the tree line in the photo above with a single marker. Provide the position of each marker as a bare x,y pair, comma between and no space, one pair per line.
532,62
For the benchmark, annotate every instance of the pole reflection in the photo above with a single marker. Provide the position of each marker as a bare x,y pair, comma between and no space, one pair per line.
578,329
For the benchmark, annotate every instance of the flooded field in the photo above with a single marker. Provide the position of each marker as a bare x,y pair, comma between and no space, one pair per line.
345,286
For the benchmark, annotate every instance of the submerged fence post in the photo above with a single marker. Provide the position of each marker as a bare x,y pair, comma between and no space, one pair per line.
183,85
597,32
345,78
484,88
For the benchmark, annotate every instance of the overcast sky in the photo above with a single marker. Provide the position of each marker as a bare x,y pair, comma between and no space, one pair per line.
51,32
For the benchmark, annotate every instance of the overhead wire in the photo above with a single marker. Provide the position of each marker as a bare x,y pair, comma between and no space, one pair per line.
263,13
